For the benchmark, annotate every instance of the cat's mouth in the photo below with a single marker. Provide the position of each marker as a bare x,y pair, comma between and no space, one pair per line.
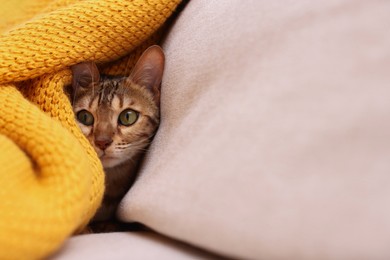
102,154
108,161
105,156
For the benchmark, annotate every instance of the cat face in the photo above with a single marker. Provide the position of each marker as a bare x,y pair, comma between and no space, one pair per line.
119,115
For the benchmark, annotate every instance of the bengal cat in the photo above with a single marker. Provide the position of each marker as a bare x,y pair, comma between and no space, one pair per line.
119,116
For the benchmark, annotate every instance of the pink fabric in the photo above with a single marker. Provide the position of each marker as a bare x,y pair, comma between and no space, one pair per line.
116,246
275,133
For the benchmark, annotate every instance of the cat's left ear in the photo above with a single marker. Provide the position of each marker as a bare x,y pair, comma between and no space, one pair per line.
84,74
149,70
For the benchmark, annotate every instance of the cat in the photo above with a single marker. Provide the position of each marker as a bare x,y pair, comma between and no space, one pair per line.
119,116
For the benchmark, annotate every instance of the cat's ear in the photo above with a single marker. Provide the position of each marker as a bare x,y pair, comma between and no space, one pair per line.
149,70
84,74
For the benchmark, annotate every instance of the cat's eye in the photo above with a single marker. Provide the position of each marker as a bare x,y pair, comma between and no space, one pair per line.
127,117
85,117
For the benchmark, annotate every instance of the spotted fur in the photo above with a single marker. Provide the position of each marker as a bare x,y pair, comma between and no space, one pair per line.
105,97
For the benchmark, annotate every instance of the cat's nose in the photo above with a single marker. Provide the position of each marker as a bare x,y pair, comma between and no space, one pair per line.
103,142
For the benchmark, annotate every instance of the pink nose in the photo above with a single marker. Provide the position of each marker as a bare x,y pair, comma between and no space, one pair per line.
103,143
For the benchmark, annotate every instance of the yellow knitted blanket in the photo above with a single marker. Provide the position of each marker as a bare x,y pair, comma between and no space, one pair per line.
51,181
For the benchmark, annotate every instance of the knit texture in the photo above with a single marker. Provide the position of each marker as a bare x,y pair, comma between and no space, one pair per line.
51,180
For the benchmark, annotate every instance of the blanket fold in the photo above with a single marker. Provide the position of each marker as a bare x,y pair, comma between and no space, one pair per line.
51,179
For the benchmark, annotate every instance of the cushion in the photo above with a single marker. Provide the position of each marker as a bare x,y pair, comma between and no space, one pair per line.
138,245
275,132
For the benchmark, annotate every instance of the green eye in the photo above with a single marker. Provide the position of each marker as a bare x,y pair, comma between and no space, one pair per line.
128,117
85,117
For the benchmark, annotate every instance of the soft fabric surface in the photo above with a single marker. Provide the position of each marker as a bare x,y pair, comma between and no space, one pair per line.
137,246
275,134
51,179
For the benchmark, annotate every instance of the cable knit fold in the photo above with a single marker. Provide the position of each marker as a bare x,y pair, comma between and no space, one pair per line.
51,179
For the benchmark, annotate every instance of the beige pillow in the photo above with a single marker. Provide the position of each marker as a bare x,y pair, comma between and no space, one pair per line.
124,246
275,132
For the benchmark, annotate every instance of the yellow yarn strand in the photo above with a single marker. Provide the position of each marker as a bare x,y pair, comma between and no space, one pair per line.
51,180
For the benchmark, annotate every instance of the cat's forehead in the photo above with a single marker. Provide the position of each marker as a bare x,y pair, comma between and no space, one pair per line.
116,94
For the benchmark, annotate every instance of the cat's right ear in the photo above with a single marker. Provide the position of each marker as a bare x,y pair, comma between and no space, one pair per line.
84,74
148,70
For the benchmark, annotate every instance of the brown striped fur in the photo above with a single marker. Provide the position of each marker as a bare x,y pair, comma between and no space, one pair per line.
105,98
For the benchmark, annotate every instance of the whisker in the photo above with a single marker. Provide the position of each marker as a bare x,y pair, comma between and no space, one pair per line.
132,146
137,142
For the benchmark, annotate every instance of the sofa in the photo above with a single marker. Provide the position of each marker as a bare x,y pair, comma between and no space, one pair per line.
274,140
